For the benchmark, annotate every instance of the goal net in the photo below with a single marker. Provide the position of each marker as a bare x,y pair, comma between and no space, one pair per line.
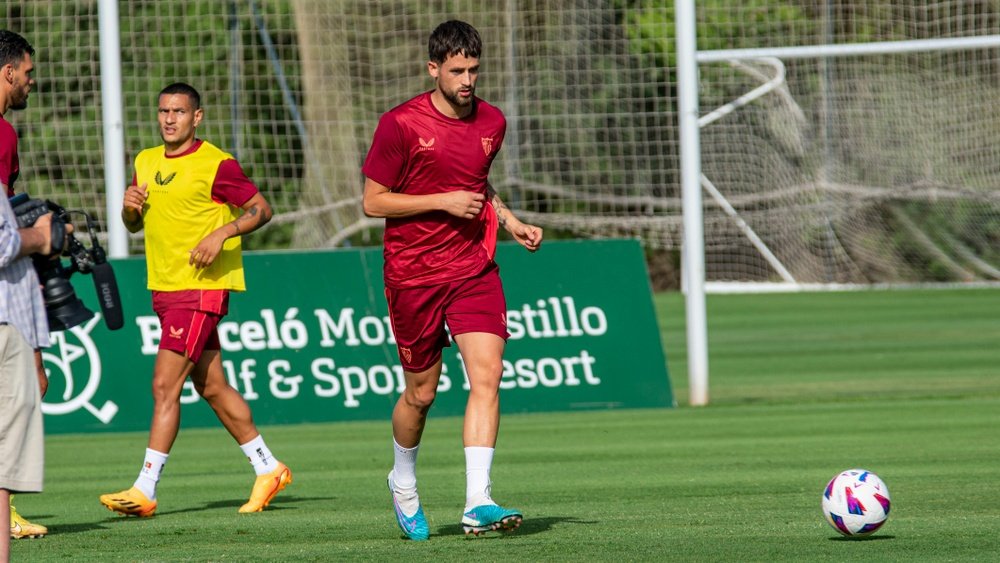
867,168
873,165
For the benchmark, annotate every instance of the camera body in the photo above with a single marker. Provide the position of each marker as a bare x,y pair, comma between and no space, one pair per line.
63,308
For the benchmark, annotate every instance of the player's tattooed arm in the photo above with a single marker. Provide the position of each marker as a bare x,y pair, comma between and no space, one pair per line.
528,236
256,213
501,209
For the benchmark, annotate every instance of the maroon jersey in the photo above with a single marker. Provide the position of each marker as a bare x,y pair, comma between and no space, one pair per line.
418,150
9,165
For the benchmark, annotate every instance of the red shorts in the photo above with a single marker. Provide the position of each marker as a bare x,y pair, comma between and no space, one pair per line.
419,315
189,319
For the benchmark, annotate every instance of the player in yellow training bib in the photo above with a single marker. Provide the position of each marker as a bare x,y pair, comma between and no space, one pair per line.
194,202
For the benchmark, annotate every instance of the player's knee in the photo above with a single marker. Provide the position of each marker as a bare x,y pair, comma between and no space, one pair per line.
420,397
210,391
485,375
484,361
487,390
204,392
165,392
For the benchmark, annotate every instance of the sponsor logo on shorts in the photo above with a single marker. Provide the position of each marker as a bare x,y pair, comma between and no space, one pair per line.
176,332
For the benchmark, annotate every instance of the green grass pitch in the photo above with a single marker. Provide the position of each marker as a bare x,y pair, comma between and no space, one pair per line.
904,383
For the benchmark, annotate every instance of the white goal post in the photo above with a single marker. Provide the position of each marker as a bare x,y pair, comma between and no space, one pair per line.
114,124
693,181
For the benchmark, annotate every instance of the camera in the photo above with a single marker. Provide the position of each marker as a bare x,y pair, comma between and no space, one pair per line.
63,308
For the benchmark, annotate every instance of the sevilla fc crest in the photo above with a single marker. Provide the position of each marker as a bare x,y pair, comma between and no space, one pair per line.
487,145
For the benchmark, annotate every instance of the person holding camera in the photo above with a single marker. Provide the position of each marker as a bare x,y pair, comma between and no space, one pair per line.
23,326
24,331
188,196
427,173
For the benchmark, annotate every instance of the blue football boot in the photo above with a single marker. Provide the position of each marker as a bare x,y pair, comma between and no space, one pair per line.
487,517
415,526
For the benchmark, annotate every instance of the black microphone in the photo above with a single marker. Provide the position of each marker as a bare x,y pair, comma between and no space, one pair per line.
107,295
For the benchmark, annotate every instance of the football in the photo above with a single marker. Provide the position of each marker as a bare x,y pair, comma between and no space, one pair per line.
856,502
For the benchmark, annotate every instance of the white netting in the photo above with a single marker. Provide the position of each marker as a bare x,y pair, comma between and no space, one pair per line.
865,169
875,168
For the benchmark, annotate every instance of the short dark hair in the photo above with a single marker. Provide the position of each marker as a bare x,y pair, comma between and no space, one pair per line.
183,88
454,38
13,47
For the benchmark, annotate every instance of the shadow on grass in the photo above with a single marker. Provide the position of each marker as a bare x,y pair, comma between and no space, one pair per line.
279,503
75,528
529,526
866,538
113,518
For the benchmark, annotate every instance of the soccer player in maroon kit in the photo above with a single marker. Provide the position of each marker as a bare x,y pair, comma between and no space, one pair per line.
427,173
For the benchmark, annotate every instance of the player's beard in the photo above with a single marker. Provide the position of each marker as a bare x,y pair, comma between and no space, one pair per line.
20,100
457,100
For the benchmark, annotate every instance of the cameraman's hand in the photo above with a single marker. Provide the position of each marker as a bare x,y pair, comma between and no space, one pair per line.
43,226
43,378
37,239
207,250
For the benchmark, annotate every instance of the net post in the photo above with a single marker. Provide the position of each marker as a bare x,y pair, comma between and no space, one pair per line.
114,135
693,268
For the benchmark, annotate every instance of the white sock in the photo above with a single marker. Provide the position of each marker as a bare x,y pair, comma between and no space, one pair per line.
478,461
149,475
260,457
404,478
404,468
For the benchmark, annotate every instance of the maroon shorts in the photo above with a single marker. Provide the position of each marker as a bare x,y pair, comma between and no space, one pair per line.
189,319
419,315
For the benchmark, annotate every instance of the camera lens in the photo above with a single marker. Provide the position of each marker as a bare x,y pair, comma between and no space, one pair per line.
64,308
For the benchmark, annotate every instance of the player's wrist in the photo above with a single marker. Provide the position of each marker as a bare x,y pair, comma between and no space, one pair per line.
511,223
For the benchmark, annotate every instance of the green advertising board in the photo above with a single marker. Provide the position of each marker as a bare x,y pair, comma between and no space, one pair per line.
310,341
